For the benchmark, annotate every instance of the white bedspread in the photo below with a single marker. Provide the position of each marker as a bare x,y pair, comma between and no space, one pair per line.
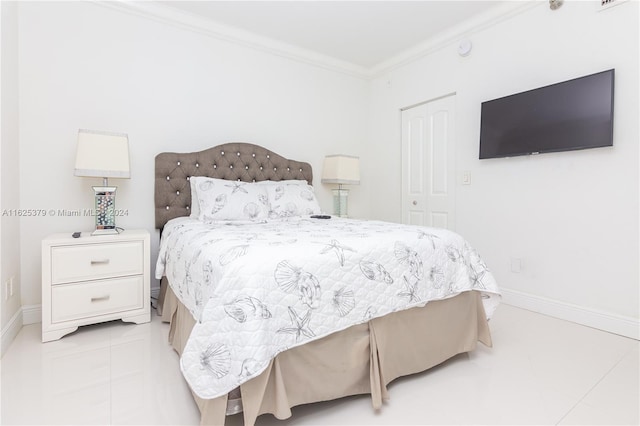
259,289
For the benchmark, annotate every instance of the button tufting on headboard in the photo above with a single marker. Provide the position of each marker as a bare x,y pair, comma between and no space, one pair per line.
252,164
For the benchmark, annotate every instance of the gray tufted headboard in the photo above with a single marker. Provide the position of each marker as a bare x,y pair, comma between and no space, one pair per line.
232,161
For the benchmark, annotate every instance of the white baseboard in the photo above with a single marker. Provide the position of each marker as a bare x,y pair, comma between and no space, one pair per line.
612,323
28,314
31,314
10,331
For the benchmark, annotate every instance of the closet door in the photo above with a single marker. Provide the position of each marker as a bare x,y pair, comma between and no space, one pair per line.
428,164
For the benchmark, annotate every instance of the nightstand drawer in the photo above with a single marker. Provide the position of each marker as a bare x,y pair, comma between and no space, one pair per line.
82,300
95,261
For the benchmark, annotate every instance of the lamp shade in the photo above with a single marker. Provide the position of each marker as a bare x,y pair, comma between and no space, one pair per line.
341,169
102,154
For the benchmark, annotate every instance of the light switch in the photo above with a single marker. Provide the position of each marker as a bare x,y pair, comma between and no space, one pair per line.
466,178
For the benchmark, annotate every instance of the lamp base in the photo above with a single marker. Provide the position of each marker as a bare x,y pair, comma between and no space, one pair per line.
105,202
340,202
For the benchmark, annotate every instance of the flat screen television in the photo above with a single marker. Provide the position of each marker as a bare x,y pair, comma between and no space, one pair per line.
574,114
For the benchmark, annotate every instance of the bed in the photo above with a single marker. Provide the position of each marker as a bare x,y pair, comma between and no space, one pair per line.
270,308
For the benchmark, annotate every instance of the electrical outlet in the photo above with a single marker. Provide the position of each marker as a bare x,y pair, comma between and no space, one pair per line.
9,288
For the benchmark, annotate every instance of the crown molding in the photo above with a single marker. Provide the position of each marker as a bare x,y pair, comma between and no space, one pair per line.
453,34
185,20
171,16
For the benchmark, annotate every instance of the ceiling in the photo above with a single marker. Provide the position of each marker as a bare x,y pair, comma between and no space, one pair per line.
362,33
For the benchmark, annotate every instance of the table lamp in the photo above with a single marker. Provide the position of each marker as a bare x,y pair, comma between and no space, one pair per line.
105,155
343,170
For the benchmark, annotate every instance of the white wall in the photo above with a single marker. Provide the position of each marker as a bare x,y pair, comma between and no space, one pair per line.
86,66
571,217
9,172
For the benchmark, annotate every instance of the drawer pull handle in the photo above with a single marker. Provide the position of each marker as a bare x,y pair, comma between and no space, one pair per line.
100,299
100,262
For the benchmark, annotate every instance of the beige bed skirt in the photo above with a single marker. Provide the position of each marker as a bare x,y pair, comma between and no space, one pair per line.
362,359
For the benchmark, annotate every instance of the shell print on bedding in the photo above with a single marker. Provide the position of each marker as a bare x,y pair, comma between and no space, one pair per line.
206,185
375,272
343,301
369,313
410,289
432,238
436,276
237,186
453,253
476,276
252,210
290,278
338,249
207,273
216,358
408,256
244,306
299,326
290,210
249,367
279,192
220,202
306,195
478,270
233,254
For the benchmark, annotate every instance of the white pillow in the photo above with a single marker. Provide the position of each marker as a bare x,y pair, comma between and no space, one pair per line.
195,203
286,200
230,200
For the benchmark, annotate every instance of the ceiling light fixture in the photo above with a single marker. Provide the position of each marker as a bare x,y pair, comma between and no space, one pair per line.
464,48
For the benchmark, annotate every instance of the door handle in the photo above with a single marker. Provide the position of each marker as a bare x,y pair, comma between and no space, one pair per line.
415,203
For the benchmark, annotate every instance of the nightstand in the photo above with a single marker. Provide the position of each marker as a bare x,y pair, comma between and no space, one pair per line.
93,279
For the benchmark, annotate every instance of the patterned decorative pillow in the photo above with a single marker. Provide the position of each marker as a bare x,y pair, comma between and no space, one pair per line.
195,203
230,200
286,200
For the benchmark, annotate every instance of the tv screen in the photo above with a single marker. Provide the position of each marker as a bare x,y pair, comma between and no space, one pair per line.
574,114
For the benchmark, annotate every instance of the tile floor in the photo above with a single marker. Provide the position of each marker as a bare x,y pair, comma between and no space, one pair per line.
541,371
